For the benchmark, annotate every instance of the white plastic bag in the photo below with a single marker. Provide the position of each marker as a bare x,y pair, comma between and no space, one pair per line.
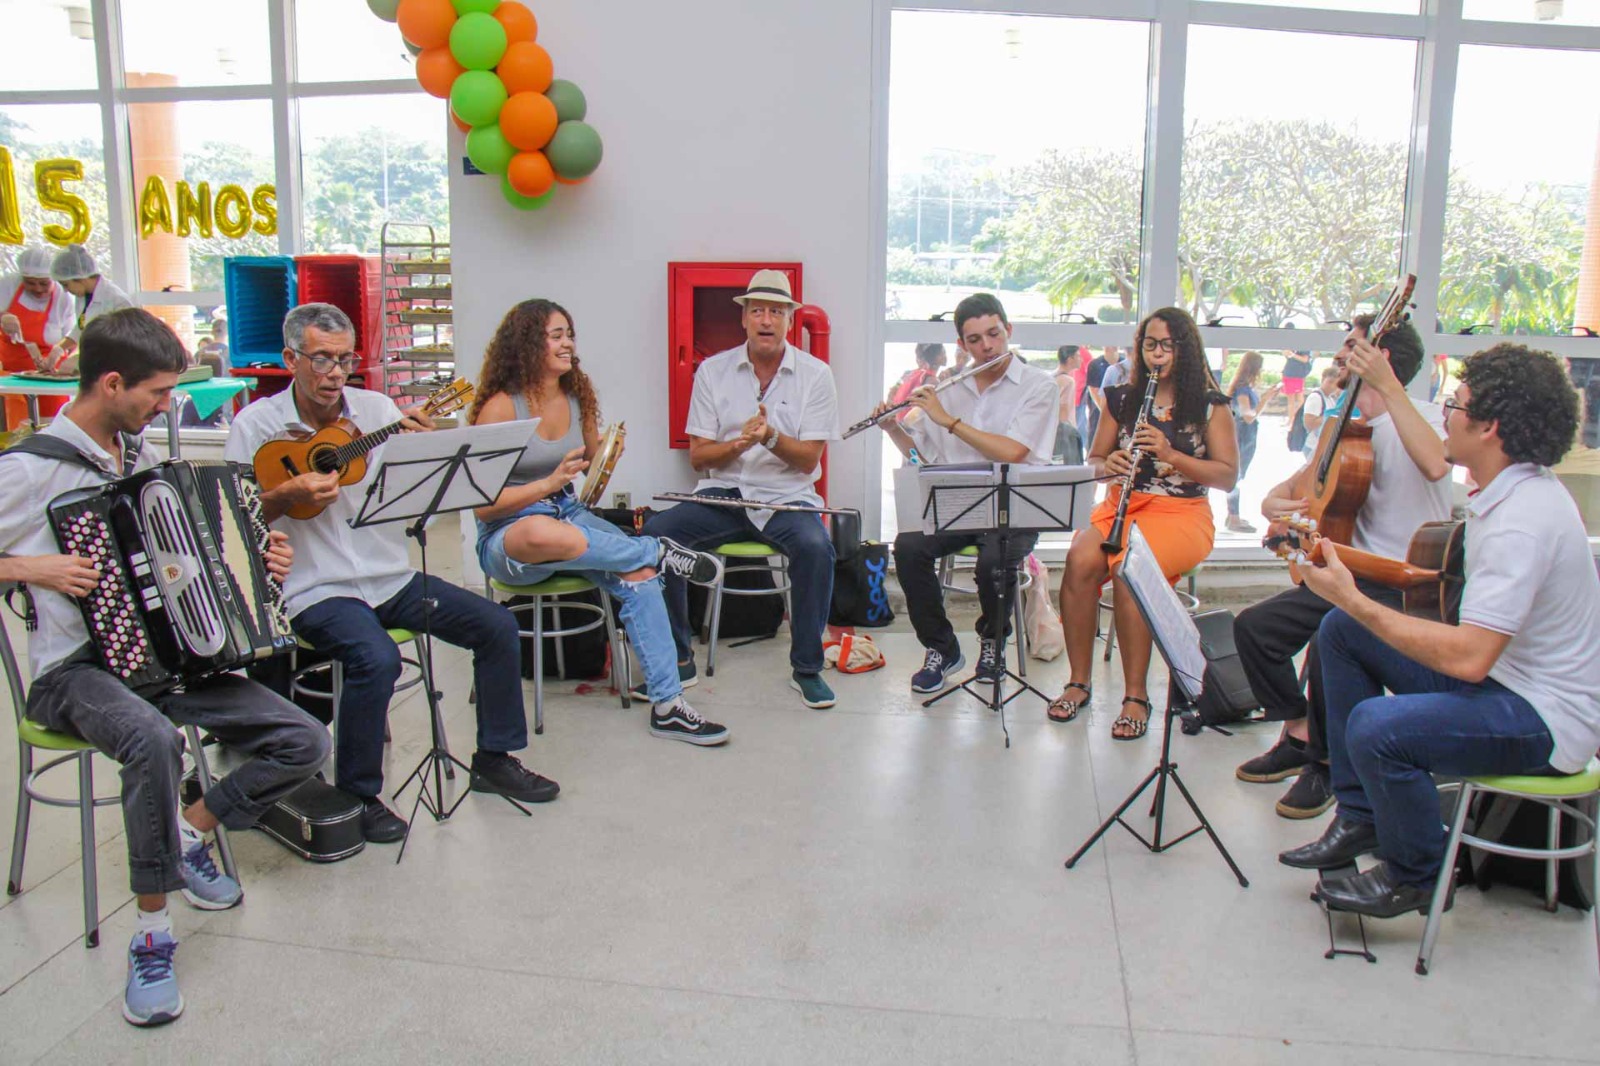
1046,639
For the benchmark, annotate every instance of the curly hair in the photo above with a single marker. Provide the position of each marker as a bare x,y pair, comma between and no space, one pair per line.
1192,378
514,361
1530,395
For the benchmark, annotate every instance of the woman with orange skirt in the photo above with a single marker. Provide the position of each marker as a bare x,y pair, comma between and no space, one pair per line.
1188,447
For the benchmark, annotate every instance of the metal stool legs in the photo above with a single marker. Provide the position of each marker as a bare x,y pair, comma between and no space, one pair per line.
86,841
781,570
202,769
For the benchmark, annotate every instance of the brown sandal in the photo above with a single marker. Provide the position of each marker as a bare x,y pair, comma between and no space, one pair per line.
1136,727
1072,707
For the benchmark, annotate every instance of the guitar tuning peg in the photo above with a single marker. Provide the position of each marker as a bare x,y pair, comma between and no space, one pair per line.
1311,525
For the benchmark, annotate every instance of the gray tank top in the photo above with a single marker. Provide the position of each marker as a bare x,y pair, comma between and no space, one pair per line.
541,456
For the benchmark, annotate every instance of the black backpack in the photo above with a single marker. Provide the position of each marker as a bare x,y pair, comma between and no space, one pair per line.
1297,430
861,589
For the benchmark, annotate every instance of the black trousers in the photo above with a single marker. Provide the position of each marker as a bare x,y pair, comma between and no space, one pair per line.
1270,634
916,560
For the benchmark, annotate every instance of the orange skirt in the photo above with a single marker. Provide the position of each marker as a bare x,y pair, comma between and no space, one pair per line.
1180,529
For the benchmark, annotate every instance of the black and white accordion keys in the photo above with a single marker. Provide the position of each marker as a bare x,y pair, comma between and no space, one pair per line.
184,590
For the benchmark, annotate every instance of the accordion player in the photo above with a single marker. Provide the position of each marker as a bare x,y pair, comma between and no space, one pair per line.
184,590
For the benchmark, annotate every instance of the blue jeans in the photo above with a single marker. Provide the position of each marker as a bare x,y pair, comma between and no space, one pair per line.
352,631
798,535
1384,750
610,552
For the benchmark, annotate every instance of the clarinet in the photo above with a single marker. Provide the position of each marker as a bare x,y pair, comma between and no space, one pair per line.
1116,539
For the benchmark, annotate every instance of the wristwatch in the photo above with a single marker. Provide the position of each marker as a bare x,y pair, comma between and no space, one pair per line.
771,441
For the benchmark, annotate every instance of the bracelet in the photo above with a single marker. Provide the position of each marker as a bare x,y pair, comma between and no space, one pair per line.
771,441
952,428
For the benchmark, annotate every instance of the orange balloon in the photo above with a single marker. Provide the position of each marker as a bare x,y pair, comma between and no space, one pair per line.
437,70
525,68
529,121
530,173
426,23
518,20
461,124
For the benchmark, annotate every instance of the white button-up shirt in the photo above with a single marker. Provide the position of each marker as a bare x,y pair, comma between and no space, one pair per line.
801,403
331,559
105,299
27,484
1530,575
1021,405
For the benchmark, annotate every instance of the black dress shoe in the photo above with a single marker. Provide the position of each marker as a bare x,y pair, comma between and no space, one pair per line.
1345,841
1376,894
380,825
506,776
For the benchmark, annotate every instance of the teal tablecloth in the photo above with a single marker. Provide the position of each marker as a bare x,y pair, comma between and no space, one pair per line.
206,396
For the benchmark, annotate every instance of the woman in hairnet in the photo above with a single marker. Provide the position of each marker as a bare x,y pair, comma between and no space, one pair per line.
38,317
75,269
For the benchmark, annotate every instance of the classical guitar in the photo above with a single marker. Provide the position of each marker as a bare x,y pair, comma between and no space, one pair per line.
1431,576
1340,473
340,447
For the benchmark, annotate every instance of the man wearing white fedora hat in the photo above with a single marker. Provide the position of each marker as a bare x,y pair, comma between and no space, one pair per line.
759,417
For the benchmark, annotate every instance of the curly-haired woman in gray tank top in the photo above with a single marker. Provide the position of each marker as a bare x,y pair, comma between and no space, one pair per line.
537,527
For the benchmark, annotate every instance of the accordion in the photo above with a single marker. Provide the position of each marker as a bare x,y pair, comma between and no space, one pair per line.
184,590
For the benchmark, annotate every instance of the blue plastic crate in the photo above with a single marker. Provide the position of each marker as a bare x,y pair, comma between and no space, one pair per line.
260,290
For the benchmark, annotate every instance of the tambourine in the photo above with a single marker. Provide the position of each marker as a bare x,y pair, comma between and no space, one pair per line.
605,462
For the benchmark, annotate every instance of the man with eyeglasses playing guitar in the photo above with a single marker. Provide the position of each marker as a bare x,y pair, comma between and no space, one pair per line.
351,585
1514,688
1410,486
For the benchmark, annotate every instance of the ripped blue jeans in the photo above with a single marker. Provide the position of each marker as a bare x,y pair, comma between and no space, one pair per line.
610,552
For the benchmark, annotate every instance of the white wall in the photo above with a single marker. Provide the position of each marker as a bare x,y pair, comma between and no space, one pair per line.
734,130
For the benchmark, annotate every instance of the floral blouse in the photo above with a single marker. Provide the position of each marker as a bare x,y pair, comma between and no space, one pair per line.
1163,479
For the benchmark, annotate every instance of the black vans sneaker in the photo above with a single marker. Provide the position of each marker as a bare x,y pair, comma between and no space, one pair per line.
679,721
1284,759
702,568
506,776
990,668
1310,795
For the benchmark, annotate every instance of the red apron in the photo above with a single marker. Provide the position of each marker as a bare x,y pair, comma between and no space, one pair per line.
14,357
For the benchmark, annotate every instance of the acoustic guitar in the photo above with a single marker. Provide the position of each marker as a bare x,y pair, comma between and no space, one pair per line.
1340,473
1431,576
340,447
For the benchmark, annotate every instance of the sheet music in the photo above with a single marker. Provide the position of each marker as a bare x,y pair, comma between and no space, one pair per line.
964,499
1174,631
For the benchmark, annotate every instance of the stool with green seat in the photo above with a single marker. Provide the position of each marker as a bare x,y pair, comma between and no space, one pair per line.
548,590
31,737
746,550
1559,793
335,689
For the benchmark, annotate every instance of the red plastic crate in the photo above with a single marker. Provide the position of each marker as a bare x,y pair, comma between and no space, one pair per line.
353,284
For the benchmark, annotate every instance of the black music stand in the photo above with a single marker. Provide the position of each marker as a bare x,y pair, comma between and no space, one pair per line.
1006,497
1187,678
424,475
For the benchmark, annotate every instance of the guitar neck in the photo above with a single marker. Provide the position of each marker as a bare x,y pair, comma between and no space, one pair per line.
366,442
1391,573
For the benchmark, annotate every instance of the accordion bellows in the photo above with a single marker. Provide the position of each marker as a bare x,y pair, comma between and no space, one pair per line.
184,590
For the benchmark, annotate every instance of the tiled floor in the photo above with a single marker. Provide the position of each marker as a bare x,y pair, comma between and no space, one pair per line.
875,883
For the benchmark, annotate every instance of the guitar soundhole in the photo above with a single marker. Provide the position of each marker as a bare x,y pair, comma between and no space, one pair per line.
324,460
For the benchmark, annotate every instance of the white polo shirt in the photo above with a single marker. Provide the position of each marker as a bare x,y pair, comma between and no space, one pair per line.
1530,575
801,403
1400,498
27,484
1022,404
371,564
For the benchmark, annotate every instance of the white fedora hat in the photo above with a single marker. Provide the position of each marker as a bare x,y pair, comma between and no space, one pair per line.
771,286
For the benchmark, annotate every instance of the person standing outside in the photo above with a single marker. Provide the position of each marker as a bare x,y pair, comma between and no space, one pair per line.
1069,383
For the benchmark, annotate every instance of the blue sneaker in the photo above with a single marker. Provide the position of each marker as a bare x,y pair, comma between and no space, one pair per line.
814,692
688,677
204,885
152,996
936,669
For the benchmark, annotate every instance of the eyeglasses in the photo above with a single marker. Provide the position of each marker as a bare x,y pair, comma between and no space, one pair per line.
1166,344
324,364
1451,405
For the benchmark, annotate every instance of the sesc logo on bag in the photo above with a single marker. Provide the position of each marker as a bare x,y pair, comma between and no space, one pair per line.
878,610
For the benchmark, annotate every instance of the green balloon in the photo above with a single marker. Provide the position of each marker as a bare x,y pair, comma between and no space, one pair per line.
478,41
574,152
489,150
477,97
387,10
521,202
468,7
569,101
